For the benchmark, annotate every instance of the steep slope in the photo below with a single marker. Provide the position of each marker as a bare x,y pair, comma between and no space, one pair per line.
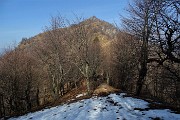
105,31
112,107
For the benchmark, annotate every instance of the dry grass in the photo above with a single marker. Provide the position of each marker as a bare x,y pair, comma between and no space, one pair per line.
105,89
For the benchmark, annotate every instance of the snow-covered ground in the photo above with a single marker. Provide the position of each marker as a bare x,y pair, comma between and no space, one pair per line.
112,107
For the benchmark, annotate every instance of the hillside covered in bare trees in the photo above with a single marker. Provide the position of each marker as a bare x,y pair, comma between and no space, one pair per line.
74,57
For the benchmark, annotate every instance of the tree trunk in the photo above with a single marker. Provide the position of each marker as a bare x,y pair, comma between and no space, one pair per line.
88,85
37,96
107,77
28,101
87,79
141,79
2,109
143,59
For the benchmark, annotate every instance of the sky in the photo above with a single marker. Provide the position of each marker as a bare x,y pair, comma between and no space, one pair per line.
27,18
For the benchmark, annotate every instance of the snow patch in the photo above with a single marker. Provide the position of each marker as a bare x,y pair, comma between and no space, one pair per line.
80,95
112,107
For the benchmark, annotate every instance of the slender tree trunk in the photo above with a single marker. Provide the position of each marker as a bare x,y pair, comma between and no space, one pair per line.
88,85
75,84
37,96
87,79
107,77
2,109
28,101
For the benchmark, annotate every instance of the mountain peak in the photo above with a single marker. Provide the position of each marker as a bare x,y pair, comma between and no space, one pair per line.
94,18
100,26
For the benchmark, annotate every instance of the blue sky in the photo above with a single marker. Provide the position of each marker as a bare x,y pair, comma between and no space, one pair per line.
26,18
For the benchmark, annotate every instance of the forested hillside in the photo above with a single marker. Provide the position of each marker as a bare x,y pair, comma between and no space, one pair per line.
141,59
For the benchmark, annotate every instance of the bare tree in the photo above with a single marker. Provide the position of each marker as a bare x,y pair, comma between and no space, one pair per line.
17,79
52,52
125,56
156,24
166,31
140,24
85,50
166,38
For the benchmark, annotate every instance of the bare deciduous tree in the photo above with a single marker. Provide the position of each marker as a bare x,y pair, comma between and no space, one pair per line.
156,24
18,80
53,52
85,50
140,24
125,60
